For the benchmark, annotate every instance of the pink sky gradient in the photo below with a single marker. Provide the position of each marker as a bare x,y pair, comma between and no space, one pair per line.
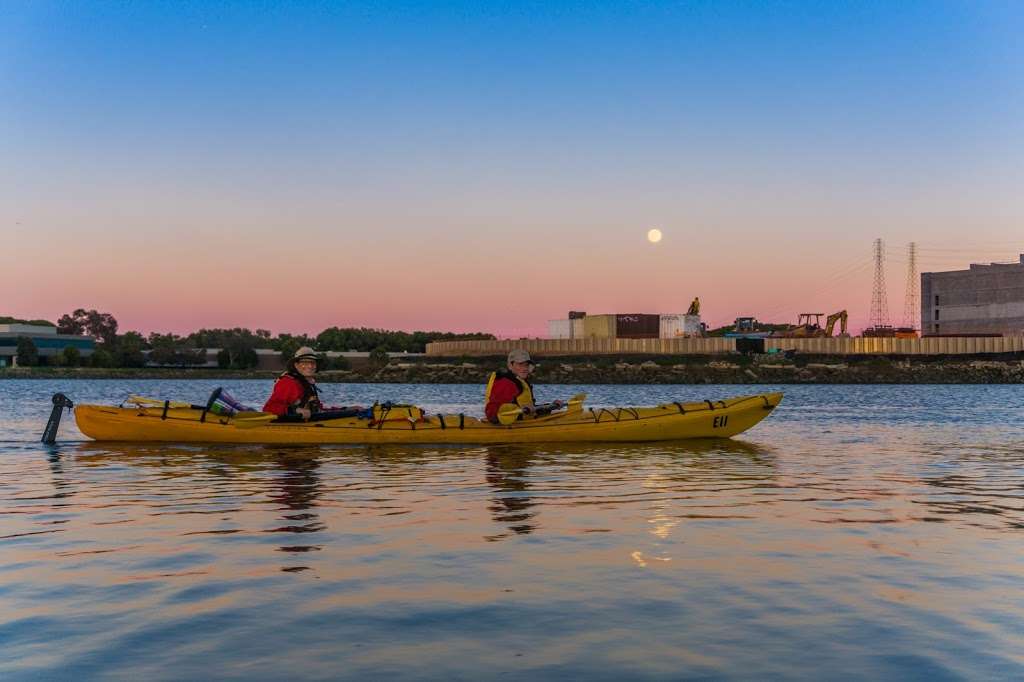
508,278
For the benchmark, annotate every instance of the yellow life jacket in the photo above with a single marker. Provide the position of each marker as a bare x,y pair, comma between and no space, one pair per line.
525,395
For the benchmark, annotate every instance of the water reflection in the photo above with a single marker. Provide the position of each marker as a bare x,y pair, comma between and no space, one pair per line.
297,491
63,488
507,474
223,479
992,501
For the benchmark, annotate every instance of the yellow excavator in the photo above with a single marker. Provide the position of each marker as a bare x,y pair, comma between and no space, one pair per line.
694,307
808,326
830,323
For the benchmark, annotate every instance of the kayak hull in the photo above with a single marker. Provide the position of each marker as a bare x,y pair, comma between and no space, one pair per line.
674,421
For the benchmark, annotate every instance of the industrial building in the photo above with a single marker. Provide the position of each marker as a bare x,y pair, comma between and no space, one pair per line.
985,299
46,339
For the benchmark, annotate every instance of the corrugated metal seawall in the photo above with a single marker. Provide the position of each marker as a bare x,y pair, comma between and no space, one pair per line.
943,345
705,346
588,346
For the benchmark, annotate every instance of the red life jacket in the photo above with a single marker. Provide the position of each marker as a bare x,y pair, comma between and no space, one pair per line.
310,393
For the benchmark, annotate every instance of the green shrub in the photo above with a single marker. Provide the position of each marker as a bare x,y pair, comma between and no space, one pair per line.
378,359
72,356
101,357
244,358
28,354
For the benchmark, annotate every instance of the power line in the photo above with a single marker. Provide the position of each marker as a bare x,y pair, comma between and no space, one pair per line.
822,289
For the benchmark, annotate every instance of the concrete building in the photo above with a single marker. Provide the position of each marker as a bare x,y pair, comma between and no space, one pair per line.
985,299
47,341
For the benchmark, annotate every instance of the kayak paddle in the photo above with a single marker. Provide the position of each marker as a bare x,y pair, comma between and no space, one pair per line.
510,412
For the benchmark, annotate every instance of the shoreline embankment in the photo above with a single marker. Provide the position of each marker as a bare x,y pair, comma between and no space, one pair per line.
769,368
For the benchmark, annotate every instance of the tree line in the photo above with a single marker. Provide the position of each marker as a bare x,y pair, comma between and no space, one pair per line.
237,345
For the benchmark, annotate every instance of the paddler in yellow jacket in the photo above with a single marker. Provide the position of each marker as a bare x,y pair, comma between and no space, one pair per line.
511,385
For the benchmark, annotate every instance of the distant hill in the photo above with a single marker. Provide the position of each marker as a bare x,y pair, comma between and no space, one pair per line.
14,320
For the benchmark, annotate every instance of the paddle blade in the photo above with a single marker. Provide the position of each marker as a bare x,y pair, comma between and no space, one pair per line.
508,414
575,403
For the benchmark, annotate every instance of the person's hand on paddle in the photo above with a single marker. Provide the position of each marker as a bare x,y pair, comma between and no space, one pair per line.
304,412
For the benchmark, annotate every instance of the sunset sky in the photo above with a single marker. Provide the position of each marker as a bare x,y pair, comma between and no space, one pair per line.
490,166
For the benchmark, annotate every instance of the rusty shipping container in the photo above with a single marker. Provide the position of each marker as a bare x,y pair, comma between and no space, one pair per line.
599,326
637,326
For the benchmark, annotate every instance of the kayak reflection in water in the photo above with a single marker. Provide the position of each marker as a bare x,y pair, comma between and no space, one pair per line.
296,395
512,386
507,474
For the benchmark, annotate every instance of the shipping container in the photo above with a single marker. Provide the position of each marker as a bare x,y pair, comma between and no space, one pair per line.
560,329
676,326
576,315
599,326
636,326
577,328
670,326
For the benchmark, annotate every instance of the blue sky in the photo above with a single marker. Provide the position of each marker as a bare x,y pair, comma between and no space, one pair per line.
423,138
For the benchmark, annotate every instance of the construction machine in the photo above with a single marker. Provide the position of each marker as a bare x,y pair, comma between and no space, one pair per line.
694,307
808,325
830,323
746,324
747,328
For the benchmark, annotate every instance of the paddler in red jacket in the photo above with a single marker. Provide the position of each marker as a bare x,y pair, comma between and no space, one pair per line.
295,391
511,385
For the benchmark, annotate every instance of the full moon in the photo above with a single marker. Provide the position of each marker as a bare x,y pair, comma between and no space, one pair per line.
654,236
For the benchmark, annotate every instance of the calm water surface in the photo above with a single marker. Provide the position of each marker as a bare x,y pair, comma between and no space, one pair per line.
861,532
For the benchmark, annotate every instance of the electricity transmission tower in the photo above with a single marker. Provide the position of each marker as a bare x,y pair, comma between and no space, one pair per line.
879,304
911,300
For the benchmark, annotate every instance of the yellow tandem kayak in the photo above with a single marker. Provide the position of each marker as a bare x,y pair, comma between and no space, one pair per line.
182,423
